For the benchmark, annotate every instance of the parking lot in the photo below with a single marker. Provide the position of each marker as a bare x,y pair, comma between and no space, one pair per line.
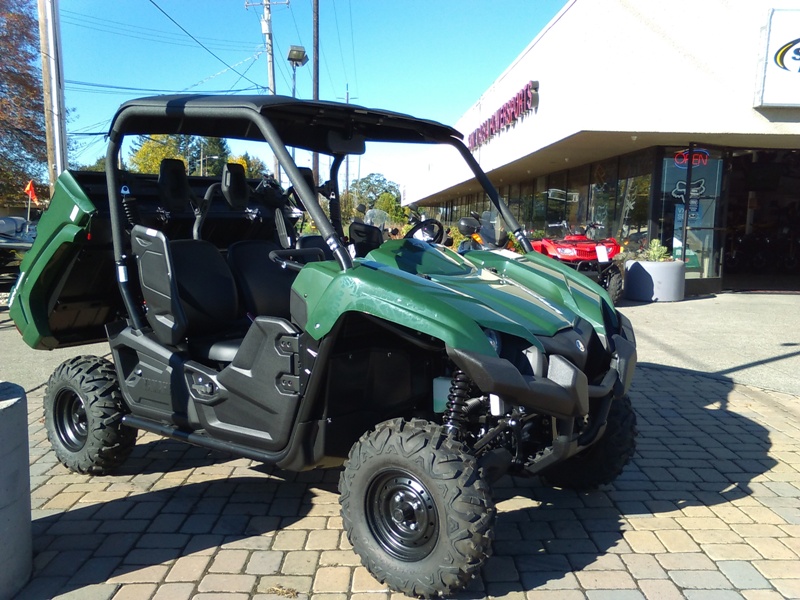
709,507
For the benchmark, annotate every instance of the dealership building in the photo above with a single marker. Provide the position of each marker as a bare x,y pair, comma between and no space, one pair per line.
677,121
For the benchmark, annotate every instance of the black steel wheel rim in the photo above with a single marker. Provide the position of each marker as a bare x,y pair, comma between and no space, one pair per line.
69,416
402,515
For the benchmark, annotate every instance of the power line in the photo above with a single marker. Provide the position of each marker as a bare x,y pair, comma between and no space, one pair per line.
353,42
199,43
121,88
210,77
152,35
281,66
339,37
250,66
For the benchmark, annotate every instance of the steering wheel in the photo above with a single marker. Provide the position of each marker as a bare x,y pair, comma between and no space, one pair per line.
422,231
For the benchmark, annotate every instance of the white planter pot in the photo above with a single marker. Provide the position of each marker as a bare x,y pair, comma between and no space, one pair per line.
655,281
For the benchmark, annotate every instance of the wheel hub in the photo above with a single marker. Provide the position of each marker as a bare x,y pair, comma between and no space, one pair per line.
402,515
407,510
70,420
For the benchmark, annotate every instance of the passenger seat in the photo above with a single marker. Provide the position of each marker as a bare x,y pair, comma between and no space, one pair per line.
190,294
265,286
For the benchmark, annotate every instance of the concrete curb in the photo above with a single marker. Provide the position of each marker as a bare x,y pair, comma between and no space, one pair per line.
16,550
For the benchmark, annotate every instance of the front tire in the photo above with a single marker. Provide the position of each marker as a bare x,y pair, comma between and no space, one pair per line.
83,410
416,509
603,461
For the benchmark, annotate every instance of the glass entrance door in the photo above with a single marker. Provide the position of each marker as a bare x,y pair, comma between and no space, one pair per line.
691,190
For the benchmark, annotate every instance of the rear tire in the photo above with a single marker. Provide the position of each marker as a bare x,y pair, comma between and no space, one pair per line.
613,284
416,509
602,462
83,410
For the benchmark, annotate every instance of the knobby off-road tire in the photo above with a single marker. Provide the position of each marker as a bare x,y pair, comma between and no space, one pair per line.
416,509
602,462
83,411
613,285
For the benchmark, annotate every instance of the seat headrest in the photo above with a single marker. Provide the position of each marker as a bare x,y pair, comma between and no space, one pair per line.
308,177
360,232
234,185
173,185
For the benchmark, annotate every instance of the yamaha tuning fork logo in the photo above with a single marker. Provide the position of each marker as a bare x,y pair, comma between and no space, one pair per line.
790,51
779,59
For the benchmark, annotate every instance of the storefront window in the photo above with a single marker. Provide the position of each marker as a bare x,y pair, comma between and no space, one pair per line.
557,201
603,199
692,207
578,197
632,227
526,205
539,208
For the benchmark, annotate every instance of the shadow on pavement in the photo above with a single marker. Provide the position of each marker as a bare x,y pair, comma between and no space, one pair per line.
692,451
184,516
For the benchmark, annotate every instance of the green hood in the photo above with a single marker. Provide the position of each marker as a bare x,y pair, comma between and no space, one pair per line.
559,284
433,291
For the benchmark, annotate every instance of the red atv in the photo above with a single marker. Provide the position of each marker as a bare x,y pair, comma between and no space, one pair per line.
592,257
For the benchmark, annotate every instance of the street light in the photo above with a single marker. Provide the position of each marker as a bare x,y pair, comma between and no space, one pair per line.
297,58
203,160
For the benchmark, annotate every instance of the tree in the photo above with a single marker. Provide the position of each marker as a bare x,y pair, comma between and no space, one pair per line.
368,189
98,165
391,204
23,144
254,167
347,207
149,151
200,155
211,147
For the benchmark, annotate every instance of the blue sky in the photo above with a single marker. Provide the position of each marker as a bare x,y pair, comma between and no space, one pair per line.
429,58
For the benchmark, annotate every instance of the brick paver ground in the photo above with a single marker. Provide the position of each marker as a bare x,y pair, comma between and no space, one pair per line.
708,509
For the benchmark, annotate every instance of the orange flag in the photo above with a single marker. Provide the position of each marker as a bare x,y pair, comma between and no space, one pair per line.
29,189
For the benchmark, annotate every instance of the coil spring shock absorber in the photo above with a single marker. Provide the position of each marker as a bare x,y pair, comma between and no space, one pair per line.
454,415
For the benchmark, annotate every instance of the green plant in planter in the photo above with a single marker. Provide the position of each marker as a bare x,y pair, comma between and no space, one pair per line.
652,275
654,252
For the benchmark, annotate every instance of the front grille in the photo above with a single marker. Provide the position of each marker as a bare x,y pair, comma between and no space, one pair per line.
586,253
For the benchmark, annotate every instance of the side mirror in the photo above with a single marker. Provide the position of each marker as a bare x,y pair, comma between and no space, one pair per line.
468,225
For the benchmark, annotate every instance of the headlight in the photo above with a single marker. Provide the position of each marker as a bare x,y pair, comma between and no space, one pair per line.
566,251
494,339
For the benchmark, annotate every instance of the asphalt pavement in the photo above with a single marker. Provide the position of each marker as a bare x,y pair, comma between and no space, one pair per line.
709,507
750,338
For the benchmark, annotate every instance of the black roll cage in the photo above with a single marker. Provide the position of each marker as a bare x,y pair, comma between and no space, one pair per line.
331,128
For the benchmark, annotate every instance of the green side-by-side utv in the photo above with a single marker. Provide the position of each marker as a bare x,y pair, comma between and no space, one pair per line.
428,375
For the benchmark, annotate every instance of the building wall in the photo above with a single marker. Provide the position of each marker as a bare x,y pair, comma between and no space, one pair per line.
664,73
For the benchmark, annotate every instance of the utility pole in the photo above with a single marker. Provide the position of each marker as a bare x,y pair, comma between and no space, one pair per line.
347,158
53,89
315,77
266,29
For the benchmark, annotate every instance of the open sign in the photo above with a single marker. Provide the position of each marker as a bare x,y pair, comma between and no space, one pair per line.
699,158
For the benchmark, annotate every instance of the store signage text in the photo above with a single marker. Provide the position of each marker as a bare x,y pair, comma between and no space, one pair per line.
699,158
525,101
